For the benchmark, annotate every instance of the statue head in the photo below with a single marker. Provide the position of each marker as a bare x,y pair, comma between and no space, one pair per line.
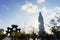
40,14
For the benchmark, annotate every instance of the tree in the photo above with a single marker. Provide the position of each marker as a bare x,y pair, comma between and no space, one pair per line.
33,33
13,34
23,36
2,35
43,35
56,33
28,36
33,36
18,34
1,31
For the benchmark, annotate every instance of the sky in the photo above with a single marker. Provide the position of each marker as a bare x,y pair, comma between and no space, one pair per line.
25,13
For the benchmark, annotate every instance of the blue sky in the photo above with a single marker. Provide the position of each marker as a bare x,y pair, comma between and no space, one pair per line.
25,12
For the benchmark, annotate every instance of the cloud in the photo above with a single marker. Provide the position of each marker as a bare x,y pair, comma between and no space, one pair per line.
32,23
41,1
57,10
44,10
30,8
49,14
57,15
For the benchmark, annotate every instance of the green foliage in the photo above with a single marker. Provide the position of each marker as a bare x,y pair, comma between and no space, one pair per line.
56,32
23,35
28,35
33,35
44,34
13,34
1,31
2,36
18,34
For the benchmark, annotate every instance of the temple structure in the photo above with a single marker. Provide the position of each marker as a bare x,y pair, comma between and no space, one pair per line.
13,29
41,23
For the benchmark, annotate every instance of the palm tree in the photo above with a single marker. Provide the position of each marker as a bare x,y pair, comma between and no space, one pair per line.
33,36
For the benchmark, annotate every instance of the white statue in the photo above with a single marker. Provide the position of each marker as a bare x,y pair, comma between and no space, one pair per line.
41,23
